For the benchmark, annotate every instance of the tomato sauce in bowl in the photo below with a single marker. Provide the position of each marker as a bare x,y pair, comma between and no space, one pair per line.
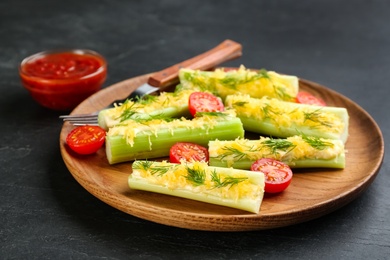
60,80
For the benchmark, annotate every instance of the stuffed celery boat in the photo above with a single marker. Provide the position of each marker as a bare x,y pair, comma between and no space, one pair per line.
269,116
296,151
255,83
152,137
168,104
228,187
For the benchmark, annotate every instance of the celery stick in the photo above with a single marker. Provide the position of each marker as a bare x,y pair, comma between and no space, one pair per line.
168,104
255,83
295,151
197,181
144,140
282,119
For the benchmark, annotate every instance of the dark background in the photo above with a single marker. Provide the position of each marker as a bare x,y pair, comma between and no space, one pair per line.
46,214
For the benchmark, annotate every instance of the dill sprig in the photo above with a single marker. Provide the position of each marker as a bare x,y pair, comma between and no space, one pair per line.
276,145
160,170
228,180
160,116
237,154
269,111
198,80
281,92
150,167
196,176
128,112
240,103
146,99
317,117
232,81
142,165
316,142
216,113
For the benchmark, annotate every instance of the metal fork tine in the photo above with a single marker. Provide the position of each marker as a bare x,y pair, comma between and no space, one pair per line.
78,120
81,124
66,117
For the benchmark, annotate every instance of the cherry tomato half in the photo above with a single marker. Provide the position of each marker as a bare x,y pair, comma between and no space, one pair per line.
278,175
204,102
86,139
309,99
188,152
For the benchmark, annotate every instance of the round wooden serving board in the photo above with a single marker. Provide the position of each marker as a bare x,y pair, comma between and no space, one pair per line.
312,193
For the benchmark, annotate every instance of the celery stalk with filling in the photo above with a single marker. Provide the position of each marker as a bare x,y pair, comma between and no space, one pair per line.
197,181
145,139
255,83
168,104
295,151
269,116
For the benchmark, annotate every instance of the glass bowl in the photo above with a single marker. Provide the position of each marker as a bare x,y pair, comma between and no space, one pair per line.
61,79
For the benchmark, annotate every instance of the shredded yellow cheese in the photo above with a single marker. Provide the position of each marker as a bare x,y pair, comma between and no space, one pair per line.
175,179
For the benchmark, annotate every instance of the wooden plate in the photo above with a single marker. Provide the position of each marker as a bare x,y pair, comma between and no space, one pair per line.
312,193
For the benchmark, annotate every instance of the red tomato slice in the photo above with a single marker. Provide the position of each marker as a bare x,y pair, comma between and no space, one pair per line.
86,139
278,175
188,152
309,99
204,102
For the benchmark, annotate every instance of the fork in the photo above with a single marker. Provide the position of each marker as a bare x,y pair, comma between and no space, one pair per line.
159,81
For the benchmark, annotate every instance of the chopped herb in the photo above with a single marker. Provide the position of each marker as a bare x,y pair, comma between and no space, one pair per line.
237,154
161,170
232,81
147,99
317,117
218,183
269,111
211,114
281,92
196,176
316,142
278,144
128,112
240,103
142,165
149,166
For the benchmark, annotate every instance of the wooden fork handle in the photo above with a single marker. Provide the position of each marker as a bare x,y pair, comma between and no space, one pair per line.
225,51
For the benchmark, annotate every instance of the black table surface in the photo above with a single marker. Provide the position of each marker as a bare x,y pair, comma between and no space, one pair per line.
46,214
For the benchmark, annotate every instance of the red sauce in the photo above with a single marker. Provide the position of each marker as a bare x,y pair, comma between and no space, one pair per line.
61,80
62,66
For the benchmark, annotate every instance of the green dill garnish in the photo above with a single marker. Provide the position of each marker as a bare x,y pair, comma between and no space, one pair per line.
232,81
237,154
198,114
219,183
263,73
240,103
198,80
148,166
278,144
178,88
316,142
281,92
129,112
317,117
142,165
160,170
146,99
269,111
196,176
160,116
